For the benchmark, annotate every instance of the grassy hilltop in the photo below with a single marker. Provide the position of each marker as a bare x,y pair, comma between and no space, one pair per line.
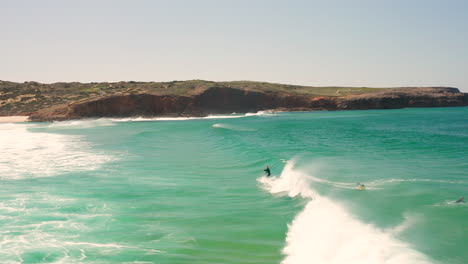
28,97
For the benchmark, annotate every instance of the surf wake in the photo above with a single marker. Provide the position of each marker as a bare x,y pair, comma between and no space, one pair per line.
395,181
325,232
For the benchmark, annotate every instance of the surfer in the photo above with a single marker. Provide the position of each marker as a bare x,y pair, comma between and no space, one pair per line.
267,171
361,187
461,200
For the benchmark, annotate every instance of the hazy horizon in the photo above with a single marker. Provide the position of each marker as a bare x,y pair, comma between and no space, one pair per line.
311,43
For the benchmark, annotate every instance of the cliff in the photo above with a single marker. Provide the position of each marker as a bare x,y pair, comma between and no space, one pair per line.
396,98
212,101
62,101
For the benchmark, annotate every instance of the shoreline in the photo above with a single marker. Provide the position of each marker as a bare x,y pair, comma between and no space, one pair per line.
14,119
24,119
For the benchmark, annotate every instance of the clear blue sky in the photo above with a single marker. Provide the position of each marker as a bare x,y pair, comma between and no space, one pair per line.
354,43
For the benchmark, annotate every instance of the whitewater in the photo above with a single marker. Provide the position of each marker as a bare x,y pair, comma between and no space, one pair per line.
192,190
324,232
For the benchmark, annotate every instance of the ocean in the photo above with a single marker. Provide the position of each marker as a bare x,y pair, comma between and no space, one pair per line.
193,190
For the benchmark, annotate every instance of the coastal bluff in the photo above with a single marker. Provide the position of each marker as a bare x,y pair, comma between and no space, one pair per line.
64,101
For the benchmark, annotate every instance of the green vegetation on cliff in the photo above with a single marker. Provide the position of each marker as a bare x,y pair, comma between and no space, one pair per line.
28,97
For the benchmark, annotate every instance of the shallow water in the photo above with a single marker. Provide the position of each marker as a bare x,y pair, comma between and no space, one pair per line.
192,190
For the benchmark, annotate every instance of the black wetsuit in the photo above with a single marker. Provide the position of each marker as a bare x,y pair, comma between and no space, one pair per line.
267,170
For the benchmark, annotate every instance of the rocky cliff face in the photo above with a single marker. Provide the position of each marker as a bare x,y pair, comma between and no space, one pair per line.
397,98
212,101
222,100
131,105
410,97
228,100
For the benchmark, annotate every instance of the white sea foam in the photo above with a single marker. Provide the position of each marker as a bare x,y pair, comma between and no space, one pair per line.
55,236
97,245
291,182
140,119
451,203
342,116
30,154
260,113
110,121
409,221
78,124
222,116
325,232
234,115
345,185
394,181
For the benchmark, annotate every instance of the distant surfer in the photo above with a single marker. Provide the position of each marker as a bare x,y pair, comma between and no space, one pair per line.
267,171
461,200
361,187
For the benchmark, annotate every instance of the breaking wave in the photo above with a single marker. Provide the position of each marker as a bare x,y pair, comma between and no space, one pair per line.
325,232
79,124
261,113
233,115
109,121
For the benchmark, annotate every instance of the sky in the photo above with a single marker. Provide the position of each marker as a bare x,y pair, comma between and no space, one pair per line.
372,43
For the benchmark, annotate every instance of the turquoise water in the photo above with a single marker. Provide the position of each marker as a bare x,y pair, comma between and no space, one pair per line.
193,190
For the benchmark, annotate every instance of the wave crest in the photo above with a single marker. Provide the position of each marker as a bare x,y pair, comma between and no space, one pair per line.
325,232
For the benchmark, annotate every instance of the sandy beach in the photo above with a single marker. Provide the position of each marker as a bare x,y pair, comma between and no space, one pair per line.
13,119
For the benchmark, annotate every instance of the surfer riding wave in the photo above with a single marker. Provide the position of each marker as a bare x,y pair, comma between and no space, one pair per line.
326,226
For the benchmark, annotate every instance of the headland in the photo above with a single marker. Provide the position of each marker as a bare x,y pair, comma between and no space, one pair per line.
64,101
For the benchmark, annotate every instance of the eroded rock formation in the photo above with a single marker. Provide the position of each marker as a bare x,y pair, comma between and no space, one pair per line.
223,100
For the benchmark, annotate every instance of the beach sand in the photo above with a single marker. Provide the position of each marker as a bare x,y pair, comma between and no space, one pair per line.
13,119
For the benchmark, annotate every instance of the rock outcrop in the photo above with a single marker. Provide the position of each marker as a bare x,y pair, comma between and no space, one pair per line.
409,97
222,100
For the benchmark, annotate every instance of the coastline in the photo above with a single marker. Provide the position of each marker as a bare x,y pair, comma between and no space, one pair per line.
13,119
202,98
